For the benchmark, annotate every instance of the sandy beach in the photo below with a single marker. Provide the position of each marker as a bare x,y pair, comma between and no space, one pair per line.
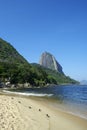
18,113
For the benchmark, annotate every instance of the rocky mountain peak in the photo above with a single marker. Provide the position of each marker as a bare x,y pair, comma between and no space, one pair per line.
48,60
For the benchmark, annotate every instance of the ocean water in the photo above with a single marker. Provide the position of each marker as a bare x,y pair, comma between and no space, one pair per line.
69,98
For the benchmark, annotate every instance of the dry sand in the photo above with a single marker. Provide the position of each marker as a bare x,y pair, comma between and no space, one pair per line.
17,113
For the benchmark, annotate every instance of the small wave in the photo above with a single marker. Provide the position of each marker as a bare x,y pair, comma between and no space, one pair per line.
29,94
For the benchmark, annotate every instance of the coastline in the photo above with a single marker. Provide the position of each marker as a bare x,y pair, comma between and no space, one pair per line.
18,113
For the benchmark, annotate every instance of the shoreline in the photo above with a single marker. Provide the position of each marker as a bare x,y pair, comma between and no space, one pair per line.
20,113
52,102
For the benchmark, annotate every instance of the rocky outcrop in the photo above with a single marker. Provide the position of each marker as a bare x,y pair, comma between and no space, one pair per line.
48,60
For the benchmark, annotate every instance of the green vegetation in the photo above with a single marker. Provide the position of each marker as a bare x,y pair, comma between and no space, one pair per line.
58,77
9,54
19,73
15,69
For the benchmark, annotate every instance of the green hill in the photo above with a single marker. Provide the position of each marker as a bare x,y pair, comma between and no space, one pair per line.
58,77
9,54
16,69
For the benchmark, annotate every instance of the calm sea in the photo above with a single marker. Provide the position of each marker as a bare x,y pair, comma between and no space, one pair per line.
69,98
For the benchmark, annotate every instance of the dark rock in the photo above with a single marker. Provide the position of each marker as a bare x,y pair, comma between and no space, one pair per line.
29,107
39,109
47,115
19,101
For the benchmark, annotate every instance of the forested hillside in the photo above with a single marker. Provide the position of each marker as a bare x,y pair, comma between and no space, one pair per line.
15,69
58,77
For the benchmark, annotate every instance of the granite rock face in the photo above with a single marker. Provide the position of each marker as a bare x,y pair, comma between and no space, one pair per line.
48,60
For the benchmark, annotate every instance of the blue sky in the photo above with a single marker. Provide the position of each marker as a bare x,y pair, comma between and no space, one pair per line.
56,26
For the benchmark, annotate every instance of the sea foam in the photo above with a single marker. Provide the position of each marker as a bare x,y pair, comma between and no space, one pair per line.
28,94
